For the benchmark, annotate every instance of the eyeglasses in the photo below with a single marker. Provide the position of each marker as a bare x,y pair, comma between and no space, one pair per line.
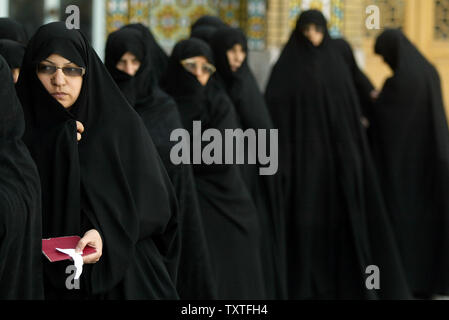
191,66
68,71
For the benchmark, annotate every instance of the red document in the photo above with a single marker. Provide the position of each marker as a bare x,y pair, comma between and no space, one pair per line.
49,247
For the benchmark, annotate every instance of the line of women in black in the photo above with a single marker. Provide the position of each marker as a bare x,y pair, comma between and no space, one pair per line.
347,198
359,198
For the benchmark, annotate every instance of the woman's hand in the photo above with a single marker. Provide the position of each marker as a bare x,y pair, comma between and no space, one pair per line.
79,130
93,239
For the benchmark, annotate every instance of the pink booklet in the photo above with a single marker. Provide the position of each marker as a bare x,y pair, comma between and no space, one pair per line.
49,247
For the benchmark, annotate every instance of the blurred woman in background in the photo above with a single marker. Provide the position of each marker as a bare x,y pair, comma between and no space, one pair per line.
230,216
410,141
230,53
336,218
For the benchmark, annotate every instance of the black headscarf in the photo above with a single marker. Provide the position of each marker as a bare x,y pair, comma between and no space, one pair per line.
13,52
12,30
20,203
206,20
203,32
410,141
336,223
229,214
252,113
112,180
205,27
161,117
389,46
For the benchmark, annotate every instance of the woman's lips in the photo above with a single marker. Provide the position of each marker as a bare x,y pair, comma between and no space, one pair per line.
59,95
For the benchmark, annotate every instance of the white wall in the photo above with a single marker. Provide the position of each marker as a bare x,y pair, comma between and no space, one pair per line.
4,8
99,26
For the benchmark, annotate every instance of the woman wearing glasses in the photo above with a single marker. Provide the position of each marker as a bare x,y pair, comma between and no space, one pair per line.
230,217
132,60
105,182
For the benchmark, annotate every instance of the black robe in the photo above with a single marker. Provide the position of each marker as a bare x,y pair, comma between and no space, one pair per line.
20,202
362,84
230,216
12,30
160,115
112,180
252,113
13,52
336,221
410,141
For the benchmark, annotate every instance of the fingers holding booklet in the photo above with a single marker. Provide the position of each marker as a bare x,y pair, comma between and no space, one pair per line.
89,252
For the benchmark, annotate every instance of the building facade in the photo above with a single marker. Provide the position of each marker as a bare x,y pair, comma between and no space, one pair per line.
267,23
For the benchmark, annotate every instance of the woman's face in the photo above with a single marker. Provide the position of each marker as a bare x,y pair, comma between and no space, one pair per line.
314,34
62,84
236,55
129,64
199,67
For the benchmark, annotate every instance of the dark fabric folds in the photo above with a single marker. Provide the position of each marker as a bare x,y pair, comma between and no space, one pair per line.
13,52
362,84
252,113
230,217
13,30
20,202
337,224
410,141
161,117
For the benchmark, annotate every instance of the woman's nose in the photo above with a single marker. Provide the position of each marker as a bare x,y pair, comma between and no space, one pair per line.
198,71
129,69
59,78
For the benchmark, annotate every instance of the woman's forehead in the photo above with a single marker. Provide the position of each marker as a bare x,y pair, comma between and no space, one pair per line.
198,59
129,55
237,46
57,59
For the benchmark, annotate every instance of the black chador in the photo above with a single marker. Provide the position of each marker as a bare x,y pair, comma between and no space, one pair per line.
230,217
20,202
252,113
337,225
161,117
12,30
410,141
112,180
